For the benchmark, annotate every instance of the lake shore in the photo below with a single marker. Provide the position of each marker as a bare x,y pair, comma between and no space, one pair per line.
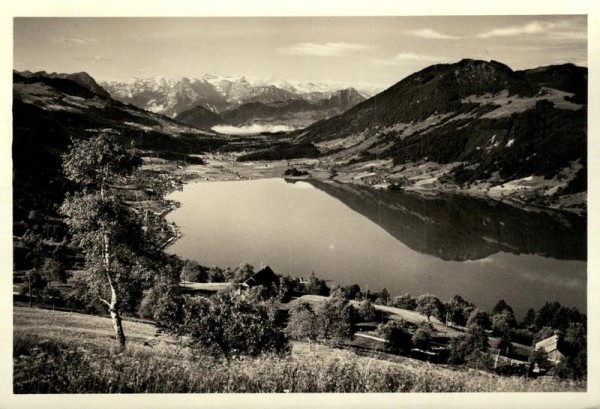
425,178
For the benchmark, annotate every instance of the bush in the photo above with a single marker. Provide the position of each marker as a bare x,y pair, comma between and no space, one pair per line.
366,311
230,325
422,337
163,304
194,272
396,334
472,342
302,322
336,319
406,302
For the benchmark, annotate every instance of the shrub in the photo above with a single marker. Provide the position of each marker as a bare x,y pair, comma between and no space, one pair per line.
422,337
336,319
366,311
230,325
406,302
396,334
302,322
194,272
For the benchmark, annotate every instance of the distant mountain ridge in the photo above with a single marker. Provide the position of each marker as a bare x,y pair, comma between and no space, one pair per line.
293,112
81,78
217,94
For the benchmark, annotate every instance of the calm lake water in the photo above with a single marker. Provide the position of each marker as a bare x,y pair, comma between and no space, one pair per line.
407,243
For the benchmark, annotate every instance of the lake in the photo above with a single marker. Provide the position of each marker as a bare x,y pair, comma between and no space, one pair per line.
448,244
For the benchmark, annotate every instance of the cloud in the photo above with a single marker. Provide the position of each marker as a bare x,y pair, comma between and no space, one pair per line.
251,129
552,29
80,40
432,34
404,58
323,50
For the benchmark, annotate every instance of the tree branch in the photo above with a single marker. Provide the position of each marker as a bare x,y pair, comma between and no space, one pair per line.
104,301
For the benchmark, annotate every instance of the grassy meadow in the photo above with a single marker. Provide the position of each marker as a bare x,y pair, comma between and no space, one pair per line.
58,352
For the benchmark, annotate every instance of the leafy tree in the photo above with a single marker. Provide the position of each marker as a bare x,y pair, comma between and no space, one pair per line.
458,310
479,318
230,324
336,319
242,273
194,272
163,303
216,275
429,305
395,332
406,302
539,359
35,281
366,311
500,307
529,319
316,286
101,224
461,347
352,292
505,346
302,322
556,316
422,337
503,322
383,298
54,271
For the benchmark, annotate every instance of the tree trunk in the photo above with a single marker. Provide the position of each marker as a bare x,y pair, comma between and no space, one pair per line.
113,307
116,319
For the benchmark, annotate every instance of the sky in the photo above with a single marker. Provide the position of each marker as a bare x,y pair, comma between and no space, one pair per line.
354,50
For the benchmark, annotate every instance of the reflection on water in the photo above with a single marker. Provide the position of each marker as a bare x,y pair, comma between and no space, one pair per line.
446,245
456,227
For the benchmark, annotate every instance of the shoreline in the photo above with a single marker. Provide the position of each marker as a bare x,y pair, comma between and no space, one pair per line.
419,178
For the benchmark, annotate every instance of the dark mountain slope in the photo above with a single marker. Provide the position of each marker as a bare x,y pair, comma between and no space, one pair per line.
199,117
81,78
435,90
47,114
566,77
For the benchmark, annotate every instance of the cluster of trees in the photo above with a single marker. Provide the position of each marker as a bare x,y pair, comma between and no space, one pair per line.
193,272
334,320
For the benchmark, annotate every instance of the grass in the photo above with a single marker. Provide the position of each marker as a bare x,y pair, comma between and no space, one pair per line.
57,352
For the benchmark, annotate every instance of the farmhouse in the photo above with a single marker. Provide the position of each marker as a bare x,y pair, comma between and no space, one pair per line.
550,345
265,277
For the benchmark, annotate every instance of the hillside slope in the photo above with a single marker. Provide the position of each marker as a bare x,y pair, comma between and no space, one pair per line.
48,113
492,124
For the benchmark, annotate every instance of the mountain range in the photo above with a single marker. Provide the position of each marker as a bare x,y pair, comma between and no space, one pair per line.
484,124
174,98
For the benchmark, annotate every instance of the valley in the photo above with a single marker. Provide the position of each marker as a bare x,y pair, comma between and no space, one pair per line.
464,179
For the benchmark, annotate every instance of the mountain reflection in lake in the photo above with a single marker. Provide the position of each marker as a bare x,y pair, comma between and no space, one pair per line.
445,245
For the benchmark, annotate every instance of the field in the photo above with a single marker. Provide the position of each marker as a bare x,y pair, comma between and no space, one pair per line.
58,352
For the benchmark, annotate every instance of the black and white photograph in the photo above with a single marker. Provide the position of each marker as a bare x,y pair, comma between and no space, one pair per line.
290,204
